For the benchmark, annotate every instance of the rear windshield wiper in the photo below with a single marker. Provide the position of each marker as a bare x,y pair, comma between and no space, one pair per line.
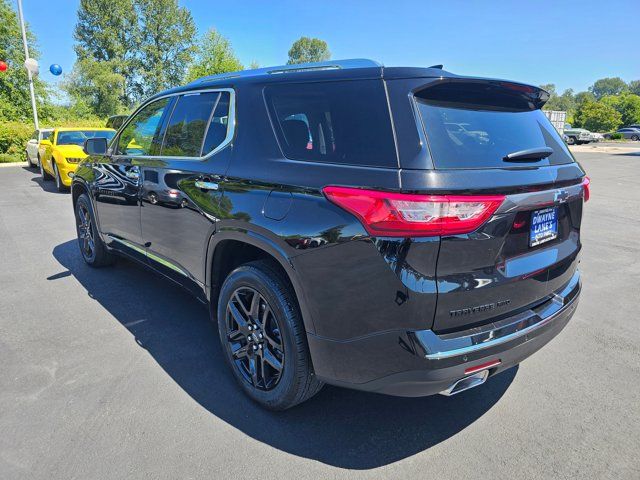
532,154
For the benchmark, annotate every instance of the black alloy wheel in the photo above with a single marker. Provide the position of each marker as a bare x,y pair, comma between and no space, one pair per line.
85,233
263,337
93,250
254,338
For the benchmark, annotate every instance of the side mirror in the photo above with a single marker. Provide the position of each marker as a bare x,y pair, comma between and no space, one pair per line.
95,146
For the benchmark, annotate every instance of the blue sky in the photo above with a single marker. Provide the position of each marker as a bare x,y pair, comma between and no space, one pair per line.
569,43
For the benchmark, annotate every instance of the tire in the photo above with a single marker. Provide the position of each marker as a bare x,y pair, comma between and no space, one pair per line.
278,337
56,175
43,173
93,250
571,141
635,138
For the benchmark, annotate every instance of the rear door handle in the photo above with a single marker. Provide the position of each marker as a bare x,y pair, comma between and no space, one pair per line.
204,185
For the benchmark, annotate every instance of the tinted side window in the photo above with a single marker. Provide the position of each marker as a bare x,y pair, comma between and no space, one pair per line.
141,135
335,122
219,125
186,128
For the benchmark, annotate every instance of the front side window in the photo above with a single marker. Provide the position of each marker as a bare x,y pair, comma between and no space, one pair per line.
333,122
141,136
186,128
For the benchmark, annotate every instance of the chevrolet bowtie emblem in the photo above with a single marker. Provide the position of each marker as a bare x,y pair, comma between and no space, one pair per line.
561,196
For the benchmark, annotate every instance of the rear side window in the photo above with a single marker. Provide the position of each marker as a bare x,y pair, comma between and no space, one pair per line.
334,122
476,126
218,125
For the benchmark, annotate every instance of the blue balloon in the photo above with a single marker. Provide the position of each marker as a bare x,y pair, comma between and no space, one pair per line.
55,69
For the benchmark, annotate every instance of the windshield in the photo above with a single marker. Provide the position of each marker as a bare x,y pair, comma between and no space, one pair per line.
77,137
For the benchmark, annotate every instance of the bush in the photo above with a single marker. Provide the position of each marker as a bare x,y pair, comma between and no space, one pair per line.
6,158
616,136
14,137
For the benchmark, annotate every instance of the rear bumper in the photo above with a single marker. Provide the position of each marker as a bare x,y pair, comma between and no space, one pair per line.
422,362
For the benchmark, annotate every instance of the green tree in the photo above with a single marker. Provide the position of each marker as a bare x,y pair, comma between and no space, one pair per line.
305,50
597,117
627,104
634,87
108,31
167,45
96,85
582,97
214,55
608,86
15,103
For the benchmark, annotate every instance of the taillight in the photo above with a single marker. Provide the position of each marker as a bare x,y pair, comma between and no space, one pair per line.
386,214
586,188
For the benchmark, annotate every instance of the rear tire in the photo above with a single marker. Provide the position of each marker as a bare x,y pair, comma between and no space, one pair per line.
263,337
92,248
571,141
635,138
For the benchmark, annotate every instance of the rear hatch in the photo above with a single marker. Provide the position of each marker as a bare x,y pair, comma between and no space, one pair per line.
491,138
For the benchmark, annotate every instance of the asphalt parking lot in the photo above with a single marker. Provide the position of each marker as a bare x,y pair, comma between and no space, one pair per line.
115,374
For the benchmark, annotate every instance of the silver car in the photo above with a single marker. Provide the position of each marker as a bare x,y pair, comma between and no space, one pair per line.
628,133
33,160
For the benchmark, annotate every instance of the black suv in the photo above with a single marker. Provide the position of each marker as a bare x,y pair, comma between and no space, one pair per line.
398,230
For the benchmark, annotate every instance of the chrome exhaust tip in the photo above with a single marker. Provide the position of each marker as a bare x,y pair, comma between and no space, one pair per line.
466,383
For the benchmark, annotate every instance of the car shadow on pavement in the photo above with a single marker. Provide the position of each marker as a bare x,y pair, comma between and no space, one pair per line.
339,427
47,186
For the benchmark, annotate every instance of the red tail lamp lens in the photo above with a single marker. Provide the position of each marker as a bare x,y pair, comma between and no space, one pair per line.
385,214
586,188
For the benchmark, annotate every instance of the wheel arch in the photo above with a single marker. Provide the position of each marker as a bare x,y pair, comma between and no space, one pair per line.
232,248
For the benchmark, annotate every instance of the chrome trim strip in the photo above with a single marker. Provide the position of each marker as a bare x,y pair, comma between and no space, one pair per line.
442,347
542,198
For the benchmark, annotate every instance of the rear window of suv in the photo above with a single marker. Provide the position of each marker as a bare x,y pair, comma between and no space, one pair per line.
333,122
477,125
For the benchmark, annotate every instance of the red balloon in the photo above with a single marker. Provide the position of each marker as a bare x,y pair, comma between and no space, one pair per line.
3,66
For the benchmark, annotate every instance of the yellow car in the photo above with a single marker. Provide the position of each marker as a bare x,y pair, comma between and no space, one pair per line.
62,151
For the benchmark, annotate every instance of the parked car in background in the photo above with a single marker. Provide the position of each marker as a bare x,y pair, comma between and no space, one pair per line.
577,136
398,230
596,137
116,121
627,133
62,151
33,158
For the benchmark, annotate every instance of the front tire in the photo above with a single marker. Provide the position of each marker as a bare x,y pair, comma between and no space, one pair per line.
93,250
635,138
56,175
43,173
263,337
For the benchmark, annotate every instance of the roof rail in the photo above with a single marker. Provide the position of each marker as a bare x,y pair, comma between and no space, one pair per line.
299,67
